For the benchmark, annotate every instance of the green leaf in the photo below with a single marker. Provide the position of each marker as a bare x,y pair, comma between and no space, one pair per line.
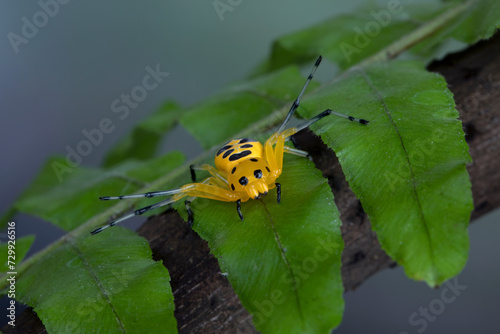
142,142
477,19
90,283
19,246
283,260
407,166
341,39
222,116
384,32
76,200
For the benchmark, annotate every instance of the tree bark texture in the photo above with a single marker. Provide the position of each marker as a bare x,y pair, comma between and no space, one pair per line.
205,301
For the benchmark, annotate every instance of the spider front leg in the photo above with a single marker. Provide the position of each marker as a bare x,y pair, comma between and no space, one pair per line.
274,148
279,138
275,145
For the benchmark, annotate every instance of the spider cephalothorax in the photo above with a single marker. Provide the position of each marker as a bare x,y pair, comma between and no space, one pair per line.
246,171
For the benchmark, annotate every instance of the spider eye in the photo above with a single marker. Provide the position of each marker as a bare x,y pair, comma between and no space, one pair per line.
243,181
257,173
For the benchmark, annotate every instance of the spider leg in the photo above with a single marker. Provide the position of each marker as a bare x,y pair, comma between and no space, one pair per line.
273,158
134,213
209,191
205,189
295,151
192,198
214,185
325,113
238,208
294,142
296,103
148,194
275,155
278,192
193,174
190,213
221,179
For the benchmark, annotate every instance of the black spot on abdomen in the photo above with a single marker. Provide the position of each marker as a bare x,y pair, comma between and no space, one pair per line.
223,148
246,140
240,155
228,152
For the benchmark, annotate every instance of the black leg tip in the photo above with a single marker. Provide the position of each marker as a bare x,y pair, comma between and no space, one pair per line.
190,214
325,113
278,192
364,121
193,174
94,232
318,61
238,208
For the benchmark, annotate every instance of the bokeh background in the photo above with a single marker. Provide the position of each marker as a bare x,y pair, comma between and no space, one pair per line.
63,80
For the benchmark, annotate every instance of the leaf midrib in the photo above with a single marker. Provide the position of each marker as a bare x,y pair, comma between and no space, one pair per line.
407,159
93,275
285,260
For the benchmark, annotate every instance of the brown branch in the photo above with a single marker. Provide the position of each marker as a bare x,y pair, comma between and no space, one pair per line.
206,303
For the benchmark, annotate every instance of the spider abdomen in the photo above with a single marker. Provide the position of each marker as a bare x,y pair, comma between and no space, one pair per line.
234,152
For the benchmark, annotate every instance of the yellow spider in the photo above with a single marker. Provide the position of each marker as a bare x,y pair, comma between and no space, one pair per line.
244,168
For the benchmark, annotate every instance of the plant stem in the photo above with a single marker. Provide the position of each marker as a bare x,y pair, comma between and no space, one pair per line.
419,34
